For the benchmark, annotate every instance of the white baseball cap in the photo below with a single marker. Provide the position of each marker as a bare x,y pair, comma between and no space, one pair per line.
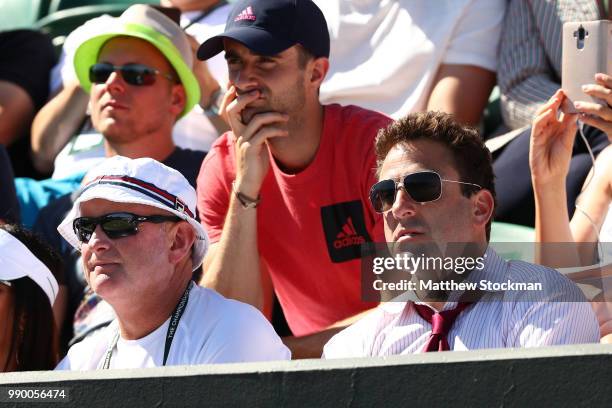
17,261
139,181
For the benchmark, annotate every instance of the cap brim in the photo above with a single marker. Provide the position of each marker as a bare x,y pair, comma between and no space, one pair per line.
17,261
259,41
87,53
121,195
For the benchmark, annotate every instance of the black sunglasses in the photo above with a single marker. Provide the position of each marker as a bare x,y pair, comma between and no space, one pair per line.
133,74
116,225
422,187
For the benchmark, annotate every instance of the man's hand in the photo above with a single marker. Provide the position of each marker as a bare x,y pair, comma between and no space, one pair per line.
252,157
594,114
228,98
551,143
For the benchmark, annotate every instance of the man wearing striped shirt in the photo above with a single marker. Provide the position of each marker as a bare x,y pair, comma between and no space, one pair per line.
437,191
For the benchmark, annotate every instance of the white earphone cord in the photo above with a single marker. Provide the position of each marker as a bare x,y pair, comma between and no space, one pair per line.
582,211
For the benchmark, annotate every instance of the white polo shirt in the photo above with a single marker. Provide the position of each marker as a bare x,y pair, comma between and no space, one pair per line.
385,54
212,329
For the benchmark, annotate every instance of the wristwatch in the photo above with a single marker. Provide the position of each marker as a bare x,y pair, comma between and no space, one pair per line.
245,201
214,104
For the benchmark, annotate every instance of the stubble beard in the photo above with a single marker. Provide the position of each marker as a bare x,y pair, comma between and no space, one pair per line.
290,102
126,131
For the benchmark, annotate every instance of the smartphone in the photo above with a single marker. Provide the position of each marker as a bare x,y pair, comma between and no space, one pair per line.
586,51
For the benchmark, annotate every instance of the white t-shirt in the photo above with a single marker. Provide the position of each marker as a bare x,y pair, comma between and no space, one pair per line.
386,53
193,131
212,330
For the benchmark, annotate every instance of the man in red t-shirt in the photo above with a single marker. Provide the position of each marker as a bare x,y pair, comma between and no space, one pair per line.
284,195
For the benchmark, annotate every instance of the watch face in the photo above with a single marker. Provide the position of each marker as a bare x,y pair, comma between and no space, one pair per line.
219,98
215,103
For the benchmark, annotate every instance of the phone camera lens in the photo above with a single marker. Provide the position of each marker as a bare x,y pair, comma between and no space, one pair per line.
580,36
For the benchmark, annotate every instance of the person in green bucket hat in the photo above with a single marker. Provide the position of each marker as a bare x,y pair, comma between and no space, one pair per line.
150,25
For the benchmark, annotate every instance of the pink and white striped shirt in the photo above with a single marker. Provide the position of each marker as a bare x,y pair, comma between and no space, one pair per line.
499,320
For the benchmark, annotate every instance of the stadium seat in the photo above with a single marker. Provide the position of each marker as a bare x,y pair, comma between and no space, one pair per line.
504,232
492,117
60,23
58,5
513,241
21,13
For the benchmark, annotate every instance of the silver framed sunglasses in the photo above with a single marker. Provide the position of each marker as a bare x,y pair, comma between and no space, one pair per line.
422,187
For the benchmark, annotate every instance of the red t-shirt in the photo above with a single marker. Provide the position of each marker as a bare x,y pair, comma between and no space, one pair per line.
310,224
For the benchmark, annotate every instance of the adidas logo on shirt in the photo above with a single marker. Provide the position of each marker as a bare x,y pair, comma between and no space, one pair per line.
348,236
345,230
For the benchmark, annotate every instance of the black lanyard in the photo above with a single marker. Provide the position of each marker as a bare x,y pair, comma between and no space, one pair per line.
172,326
204,14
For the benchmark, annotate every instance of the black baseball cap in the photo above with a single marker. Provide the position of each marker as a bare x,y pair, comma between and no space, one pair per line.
268,27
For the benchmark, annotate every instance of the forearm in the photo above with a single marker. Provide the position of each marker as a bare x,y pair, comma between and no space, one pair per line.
16,111
234,270
209,88
56,123
311,346
209,94
594,201
461,90
552,217
552,226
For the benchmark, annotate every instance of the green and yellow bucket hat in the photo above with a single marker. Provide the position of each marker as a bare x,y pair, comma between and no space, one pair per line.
149,24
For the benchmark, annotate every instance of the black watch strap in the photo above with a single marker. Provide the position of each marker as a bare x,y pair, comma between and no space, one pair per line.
245,201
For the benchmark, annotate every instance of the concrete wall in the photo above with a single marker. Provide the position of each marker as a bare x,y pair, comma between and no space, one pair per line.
554,376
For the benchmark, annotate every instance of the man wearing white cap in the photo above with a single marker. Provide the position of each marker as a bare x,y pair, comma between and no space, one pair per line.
135,226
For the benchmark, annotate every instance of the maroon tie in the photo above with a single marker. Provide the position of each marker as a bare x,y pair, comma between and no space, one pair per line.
441,323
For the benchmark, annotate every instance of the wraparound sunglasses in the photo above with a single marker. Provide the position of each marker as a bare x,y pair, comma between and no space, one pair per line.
133,74
422,187
116,225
